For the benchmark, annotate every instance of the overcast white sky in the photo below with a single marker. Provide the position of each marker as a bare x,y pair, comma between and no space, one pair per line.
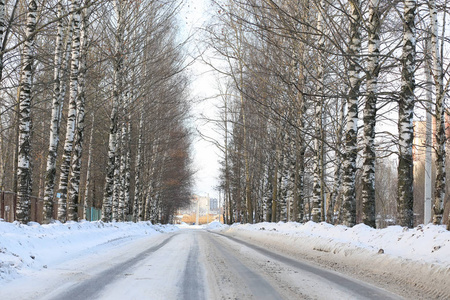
203,88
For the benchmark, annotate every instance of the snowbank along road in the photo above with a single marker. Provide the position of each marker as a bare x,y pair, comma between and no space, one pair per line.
191,264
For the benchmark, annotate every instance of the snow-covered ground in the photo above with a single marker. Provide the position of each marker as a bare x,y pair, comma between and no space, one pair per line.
34,246
26,248
426,244
408,257
413,259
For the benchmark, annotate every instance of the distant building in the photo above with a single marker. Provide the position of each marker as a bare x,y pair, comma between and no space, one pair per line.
202,210
419,143
213,204
202,203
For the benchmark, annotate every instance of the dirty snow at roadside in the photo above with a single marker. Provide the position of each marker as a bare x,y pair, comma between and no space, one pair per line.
427,244
32,247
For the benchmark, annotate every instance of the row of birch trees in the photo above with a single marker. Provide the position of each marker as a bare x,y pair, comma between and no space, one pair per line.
94,109
319,100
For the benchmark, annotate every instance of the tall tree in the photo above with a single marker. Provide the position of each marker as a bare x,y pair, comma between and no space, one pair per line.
354,70
428,135
138,206
405,200
107,207
87,204
23,170
438,76
63,213
368,176
56,116
74,184
319,166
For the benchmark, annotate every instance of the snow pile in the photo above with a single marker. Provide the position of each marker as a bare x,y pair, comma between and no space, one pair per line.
215,226
34,246
429,244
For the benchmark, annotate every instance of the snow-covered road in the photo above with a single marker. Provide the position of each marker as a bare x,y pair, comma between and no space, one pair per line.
304,279
187,264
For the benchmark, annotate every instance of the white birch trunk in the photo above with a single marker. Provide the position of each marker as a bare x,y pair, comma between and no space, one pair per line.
138,199
349,170
122,174
317,200
368,176
55,121
439,188
107,205
276,174
65,74
124,179
72,115
151,186
87,204
227,167
302,107
75,170
405,215
148,203
127,172
116,179
24,159
282,209
428,139
336,194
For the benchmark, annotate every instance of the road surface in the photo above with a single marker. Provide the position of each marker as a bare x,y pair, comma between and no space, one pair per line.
189,264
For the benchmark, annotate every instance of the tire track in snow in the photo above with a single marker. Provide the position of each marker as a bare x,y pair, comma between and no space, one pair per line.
259,287
192,285
92,287
365,291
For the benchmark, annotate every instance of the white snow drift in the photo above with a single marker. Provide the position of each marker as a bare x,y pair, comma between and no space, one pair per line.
426,244
31,247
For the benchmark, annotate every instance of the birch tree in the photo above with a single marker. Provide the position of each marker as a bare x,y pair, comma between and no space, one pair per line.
138,205
25,88
368,176
63,213
107,206
56,116
405,124
354,69
318,138
438,76
74,184
151,20
123,198
428,136
87,203
336,193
